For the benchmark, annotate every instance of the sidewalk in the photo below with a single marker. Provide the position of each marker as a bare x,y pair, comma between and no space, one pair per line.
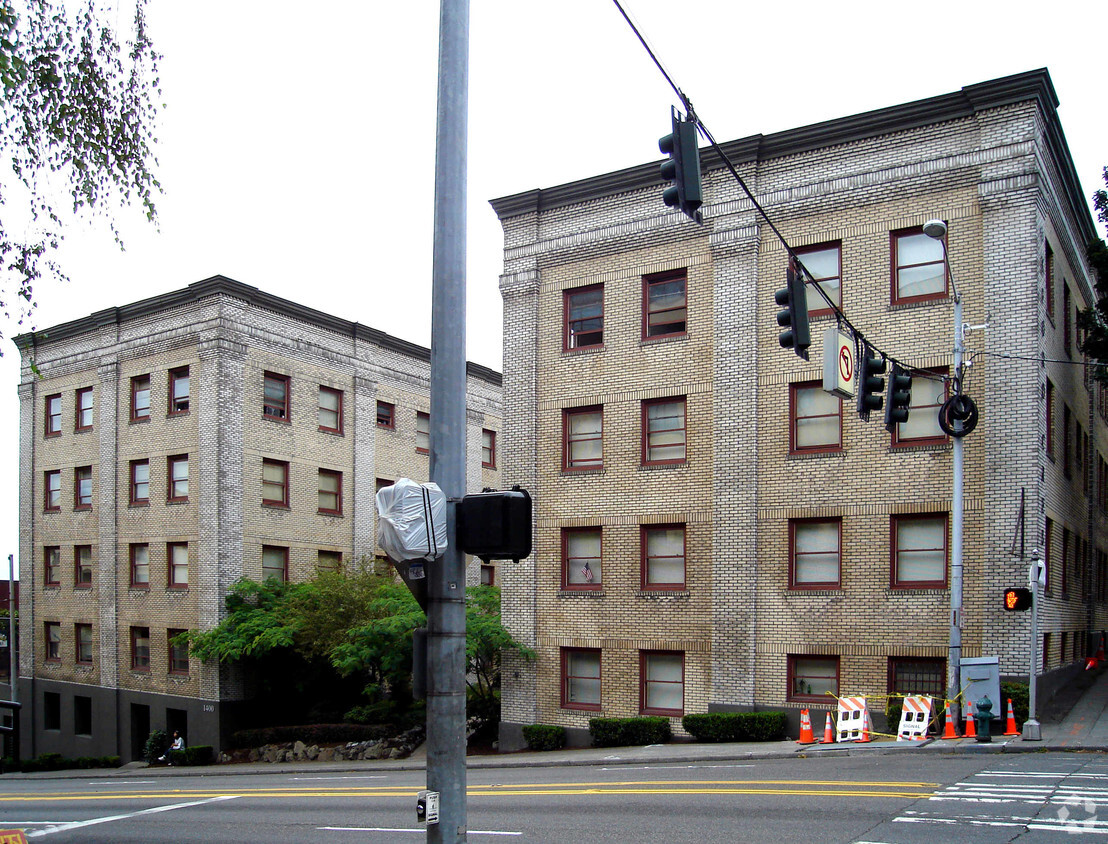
1084,728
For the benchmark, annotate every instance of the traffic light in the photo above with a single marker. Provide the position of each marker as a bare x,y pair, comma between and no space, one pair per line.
870,383
794,314
682,168
898,398
1017,599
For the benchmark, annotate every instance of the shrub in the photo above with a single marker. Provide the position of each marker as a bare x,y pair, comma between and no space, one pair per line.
201,754
736,726
156,746
311,734
544,737
1020,695
57,762
618,732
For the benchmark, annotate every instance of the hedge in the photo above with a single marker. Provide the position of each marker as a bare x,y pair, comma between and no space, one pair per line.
201,754
619,732
311,734
1020,695
544,737
57,762
736,726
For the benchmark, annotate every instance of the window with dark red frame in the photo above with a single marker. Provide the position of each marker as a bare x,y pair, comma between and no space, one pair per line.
423,432
53,630
583,438
178,391
140,648
488,448
582,558
917,676
330,492
53,415
488,575
919,545
82,566
330,410
815,553
177,478
140,565
140,398
386,415
275,483
52,490
583,309
813,678
664,433
275,396
919,268
662,683
140,481
824,262
178,654
922,427
83,410
662,553
52,565
664,307
82,637
275,562
177,565
82,488
581,678
816,419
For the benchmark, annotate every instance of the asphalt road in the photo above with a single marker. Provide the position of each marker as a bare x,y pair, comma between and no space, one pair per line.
903,798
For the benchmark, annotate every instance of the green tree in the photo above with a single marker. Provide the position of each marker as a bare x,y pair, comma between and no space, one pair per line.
1094,320
77,122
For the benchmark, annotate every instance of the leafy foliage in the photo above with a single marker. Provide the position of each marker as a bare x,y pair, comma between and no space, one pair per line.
620,732
1094,321
157,743
544,736
77,119
736,726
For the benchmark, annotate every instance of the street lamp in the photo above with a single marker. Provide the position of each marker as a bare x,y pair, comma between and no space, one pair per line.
936,229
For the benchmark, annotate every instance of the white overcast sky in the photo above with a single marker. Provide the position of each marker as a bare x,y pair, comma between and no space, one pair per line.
297,142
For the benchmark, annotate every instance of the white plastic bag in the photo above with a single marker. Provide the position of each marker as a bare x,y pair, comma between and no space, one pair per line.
411,522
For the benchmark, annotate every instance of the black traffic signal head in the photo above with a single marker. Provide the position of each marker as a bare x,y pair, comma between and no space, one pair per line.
870,383
793,316
495,525
682,168
898,398
1017,599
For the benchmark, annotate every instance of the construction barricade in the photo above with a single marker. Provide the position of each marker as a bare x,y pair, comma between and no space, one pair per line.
853,719
915,716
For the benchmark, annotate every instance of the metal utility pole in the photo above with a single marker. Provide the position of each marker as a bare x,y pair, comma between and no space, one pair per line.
446,620
1032,731
13,676
954,663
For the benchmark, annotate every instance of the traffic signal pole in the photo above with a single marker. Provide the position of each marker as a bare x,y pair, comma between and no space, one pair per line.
954,661
446,621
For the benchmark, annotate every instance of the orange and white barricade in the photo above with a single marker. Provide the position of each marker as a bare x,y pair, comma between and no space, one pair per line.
915,715
852,718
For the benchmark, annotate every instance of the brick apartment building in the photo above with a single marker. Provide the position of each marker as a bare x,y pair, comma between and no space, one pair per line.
715,532
172,446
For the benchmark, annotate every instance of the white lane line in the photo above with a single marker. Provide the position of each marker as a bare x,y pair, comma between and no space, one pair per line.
313,779
670,767
115,784
419,830
65,827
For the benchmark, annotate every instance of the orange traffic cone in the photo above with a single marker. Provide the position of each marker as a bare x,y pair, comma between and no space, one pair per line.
949,731
865,727
1010,726
971,725
1099,655
806,736
828,731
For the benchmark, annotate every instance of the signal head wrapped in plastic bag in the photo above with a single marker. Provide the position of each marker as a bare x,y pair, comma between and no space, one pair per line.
412,520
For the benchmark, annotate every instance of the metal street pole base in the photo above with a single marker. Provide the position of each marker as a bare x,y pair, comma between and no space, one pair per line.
1031,731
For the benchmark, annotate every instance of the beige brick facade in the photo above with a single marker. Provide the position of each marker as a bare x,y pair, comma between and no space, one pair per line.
990,161
230,338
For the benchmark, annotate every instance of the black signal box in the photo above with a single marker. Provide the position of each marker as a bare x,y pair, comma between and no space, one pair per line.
495,525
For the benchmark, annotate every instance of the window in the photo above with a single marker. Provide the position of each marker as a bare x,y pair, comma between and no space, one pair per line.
51,711
140,481
663,556
52,484
488,575
584,317
917,676
1049,282
584,438
581,678
82,635
275,562
177,562
82,411
53,415
52,564
919,545
824,263
664,305
422,432
275,483
53,640
1046,650
330,492
817,419
811,678
82,715
82,566
178,390
1067,323
178,653
82,488
140,398
919,271
1049,419
1065,566
662,683
330,410
275,396
488,448
663,437
922,427
329,561
1048,554
386,415
140,565
1062,655
140,648
581,567
1067,456
815,553
177,478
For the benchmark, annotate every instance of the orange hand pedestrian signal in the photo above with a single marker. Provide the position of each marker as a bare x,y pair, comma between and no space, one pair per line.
1017,599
